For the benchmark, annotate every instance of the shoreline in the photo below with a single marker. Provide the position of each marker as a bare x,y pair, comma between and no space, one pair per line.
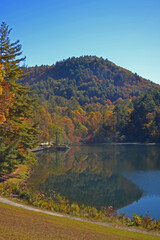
20,175
112,225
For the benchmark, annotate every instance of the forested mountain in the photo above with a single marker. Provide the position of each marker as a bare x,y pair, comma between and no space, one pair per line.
88,79
89,99
86,99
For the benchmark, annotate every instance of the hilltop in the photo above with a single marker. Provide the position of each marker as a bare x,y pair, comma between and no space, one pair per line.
87,79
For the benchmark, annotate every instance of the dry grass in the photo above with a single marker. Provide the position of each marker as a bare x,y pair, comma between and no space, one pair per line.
19,224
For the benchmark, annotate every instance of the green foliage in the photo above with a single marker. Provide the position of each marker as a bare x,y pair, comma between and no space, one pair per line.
144,124
87,79
18,132
8,156
137,221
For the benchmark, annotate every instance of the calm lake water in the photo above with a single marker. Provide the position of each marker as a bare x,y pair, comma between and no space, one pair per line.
126,176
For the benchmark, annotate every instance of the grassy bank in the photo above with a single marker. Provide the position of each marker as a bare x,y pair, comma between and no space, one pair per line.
19,224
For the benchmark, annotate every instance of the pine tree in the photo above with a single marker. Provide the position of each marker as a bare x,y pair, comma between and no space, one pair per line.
18,134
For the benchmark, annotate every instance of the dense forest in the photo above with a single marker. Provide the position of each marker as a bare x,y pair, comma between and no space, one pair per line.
90,99
87,80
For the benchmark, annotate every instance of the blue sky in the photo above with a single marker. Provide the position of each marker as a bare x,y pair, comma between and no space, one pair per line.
127,32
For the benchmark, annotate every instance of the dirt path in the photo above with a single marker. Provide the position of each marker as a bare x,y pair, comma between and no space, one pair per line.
7,201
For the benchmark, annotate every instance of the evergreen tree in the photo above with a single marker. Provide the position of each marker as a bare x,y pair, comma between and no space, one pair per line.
17,131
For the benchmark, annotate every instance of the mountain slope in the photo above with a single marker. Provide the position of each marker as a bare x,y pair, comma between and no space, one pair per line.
87,79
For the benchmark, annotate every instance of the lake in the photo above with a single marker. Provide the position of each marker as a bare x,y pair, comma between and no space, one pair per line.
126,176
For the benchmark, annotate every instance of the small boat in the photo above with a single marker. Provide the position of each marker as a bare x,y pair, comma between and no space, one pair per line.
47,146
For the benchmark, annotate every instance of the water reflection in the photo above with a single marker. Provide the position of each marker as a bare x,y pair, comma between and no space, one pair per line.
148,182
99,175
93,189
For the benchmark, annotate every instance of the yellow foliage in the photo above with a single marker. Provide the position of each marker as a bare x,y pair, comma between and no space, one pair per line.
150,116
2,73
2,118
149,124
108,114
81,111
0,89
129,110
92,115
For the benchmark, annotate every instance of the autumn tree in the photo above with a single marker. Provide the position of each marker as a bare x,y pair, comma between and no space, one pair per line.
94,122
18,133
44,119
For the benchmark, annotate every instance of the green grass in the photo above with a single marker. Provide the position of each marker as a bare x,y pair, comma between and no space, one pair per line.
19,224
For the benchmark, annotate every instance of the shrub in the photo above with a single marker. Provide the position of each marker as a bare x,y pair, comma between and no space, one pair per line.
137,220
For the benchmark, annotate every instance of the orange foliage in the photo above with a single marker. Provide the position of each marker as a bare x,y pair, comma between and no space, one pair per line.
110,118
68,125
2,118
95,121
79,115
109,102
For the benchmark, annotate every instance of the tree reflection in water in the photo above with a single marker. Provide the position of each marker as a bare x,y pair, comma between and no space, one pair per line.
93,175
